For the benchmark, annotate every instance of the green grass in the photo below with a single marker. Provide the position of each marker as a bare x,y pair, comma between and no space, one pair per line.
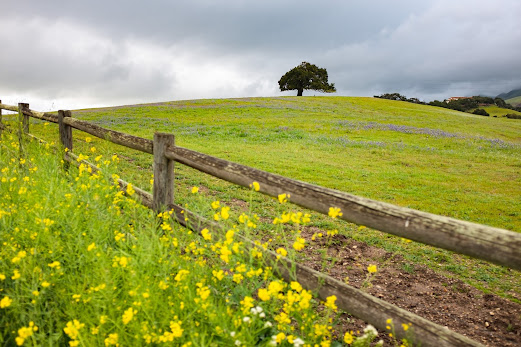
514,101
81,264
498,111
427,158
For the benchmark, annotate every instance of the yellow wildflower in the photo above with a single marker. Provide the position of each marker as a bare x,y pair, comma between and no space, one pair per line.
334,212
218,274
283,198
280,337
206,234
181,275
203,292
128,315
299,243
215,205
91,247
195,190
296,286
130,190
177,331
225,212
112,339
19,256
54,264
25,332
16,275
372,268
330,302
282,252
275,287
255,185
5,302
163,285
263,294
348,338
73,329
225,253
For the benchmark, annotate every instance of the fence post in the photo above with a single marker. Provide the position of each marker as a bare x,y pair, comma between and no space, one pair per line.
23,125
163,192
65,134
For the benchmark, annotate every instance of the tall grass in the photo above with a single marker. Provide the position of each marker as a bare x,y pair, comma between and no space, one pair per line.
83,263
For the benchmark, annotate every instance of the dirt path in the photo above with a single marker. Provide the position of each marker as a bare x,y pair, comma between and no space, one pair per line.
486,318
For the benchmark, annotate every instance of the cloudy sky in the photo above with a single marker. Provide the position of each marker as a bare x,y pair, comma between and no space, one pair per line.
72,54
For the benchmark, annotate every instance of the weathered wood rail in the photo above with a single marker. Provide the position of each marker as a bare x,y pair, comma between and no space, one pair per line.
495,245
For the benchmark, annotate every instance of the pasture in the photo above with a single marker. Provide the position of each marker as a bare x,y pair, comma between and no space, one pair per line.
427,158
436,160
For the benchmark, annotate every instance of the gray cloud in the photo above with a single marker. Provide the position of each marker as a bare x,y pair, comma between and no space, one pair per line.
112,52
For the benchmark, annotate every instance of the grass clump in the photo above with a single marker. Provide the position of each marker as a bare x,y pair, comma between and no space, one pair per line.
82,263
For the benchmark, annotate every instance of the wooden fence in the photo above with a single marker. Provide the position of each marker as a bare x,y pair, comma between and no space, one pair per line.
495,245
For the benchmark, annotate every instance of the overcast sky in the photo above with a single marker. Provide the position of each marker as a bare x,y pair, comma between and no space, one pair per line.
78,54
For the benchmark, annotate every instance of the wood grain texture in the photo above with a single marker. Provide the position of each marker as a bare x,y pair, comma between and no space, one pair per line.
65,130
23,126
130,141
163,172
8,107
496,245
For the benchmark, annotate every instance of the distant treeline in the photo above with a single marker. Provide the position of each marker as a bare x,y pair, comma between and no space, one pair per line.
463,105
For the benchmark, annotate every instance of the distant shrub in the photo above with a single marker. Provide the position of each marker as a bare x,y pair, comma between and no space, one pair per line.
513,116
399,97
481,112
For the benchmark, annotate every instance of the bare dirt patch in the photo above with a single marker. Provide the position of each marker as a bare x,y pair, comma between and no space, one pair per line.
486,318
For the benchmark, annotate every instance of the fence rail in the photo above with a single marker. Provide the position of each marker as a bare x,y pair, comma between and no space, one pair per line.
496,245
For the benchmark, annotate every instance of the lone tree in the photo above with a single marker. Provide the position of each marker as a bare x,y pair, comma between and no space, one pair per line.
306,76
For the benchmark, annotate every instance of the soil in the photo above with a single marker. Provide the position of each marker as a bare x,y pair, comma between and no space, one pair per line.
485,318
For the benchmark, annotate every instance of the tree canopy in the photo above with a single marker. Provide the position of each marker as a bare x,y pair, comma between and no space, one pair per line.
306,76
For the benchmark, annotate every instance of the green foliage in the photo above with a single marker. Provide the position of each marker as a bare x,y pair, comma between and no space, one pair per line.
399,97
500,102
481,112
306,76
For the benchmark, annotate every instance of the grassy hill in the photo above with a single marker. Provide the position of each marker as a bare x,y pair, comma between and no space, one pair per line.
428,158
498,111
514,101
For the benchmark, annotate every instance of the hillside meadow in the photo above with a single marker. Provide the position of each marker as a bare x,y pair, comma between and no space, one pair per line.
428,158
495,111
432,159
514,101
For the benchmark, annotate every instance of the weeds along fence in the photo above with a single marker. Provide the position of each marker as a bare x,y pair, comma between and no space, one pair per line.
495,245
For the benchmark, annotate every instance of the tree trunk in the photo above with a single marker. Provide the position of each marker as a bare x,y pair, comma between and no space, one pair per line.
299,92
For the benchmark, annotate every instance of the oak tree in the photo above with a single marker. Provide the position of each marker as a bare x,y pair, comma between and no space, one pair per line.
306,76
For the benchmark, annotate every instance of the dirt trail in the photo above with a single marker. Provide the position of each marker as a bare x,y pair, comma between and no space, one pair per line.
486,318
